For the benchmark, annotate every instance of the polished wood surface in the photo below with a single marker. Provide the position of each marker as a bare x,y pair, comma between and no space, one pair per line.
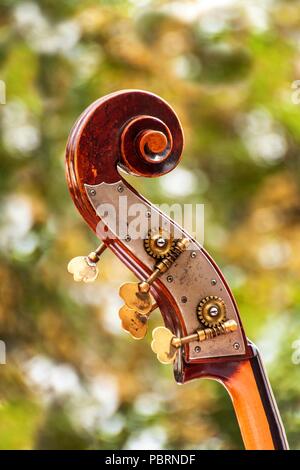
108,135
252,397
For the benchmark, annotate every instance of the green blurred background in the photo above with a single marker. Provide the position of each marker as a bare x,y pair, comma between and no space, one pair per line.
73,379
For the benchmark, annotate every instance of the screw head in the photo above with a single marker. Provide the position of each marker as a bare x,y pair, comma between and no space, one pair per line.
92,192
161,242
120,188
193,254
213,282
127,238
170,278
197,349
184,299
236,346
148,214
214,311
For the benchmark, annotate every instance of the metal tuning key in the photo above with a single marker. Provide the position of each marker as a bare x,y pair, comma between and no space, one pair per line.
165,344
84,268
138,305
134,322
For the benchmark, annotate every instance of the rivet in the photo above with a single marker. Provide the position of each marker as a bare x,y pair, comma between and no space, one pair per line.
92,192
127,238
236,346
120,188
170,278
213,282
184,299
197,349
193,254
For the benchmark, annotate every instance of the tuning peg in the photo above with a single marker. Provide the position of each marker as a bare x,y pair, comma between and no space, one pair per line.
134,322
136,297
84,268
165,344
162,345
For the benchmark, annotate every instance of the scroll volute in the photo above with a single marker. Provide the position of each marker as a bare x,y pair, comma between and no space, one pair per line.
132,129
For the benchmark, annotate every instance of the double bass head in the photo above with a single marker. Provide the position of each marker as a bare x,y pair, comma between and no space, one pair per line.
139,132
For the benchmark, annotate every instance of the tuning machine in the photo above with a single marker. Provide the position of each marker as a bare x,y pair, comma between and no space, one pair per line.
159,243
165,344
84,268
137,295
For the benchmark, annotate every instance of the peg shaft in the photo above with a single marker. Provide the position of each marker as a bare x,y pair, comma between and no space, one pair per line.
208,333
137,295
166,345
94,256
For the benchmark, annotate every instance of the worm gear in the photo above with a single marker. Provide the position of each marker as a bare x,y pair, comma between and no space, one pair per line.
159,243
211,311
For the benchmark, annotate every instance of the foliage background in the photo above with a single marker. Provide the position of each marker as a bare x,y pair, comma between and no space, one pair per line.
73,379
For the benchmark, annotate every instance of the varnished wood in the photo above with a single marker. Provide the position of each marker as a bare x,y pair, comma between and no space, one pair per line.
252,397
98,143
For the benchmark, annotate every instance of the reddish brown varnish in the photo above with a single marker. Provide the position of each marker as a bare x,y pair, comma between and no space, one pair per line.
252,398
140,133
106,136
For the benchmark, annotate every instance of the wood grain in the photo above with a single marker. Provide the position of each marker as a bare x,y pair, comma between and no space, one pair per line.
252,397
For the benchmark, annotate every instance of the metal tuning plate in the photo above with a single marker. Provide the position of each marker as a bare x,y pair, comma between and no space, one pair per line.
191,278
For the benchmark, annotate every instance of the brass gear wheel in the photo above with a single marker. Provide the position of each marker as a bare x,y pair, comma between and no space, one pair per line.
211,311
159,243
